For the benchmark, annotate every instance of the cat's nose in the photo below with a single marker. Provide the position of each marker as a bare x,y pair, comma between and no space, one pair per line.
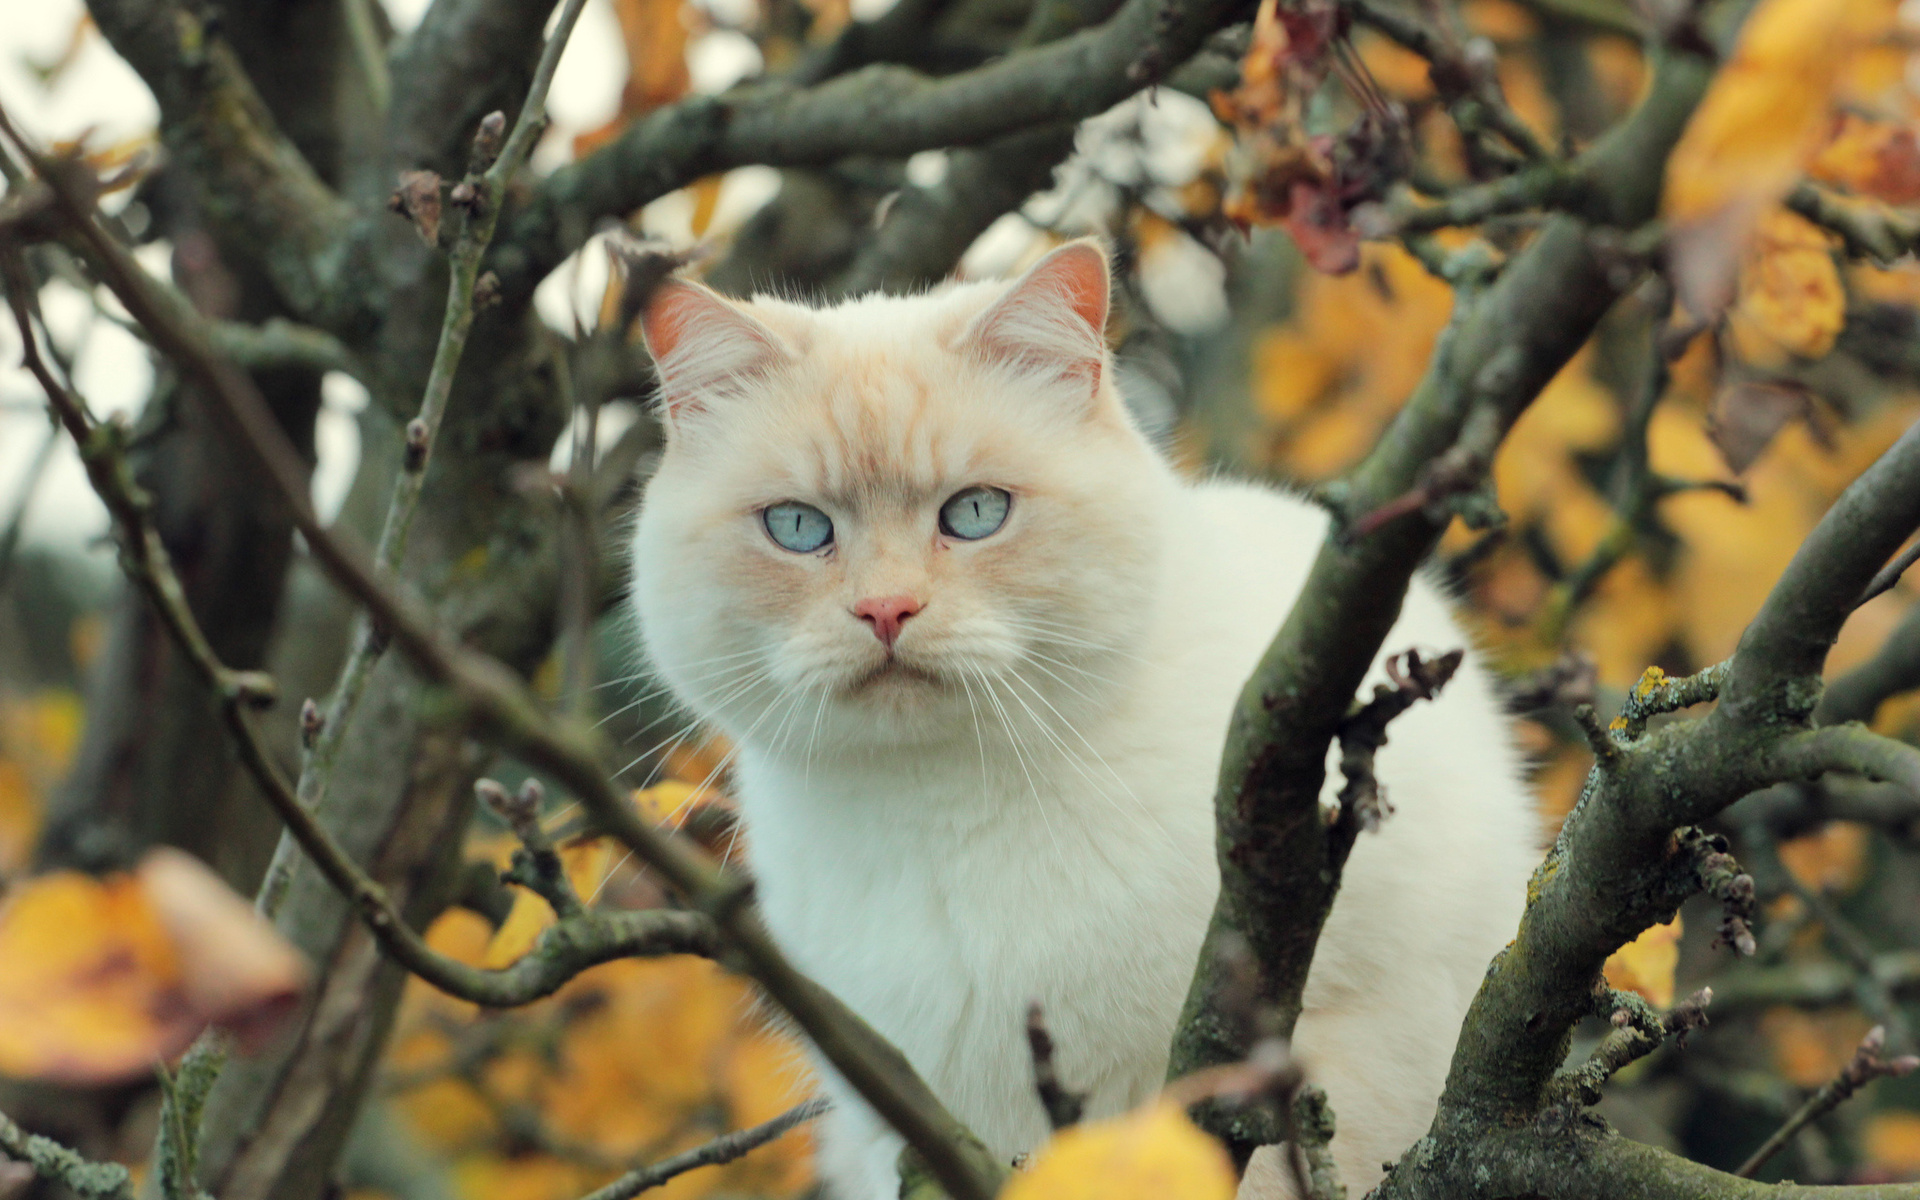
886,614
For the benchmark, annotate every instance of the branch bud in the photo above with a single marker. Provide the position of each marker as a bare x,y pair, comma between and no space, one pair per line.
520,811
487,140
312,721
419,437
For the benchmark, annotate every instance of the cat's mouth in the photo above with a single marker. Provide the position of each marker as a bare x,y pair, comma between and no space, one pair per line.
892,673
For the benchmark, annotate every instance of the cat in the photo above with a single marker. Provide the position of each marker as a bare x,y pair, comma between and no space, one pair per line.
976,642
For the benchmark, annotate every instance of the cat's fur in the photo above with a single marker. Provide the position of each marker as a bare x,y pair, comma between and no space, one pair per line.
1020,807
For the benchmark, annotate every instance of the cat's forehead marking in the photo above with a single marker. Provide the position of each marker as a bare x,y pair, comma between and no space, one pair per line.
876,431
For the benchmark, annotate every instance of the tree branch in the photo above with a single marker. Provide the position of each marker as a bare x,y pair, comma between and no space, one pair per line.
252,181
880,110
1863,1068
491,166
55,1163
1505,342
1894,668
723,1149
563,951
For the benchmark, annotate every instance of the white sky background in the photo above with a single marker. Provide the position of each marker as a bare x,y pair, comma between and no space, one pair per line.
100,93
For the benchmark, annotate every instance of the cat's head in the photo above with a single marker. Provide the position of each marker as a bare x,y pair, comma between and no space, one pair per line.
882,522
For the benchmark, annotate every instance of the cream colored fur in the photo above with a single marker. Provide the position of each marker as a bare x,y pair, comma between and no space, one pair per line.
1021,807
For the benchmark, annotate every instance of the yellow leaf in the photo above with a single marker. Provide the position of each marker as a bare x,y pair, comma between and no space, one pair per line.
517,934
1810,1048
1152,1153
1646,964
1831,860
103,977
1767,111
1790,299
1892,1142
1872,158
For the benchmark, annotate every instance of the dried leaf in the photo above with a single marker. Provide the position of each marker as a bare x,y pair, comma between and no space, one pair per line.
1791,301
1746,417
89,982
103,977
1645,965
1872,158
654,33
1754,133
418,199
1152,1153
236,971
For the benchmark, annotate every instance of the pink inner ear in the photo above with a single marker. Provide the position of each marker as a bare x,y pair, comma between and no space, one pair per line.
669,313
703,345
1054,317
1078,272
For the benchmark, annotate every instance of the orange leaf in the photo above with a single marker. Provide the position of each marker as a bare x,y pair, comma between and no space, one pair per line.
89,982
1762,121
100,978
655,36
1152,1153
236,970
1790,300
1646,964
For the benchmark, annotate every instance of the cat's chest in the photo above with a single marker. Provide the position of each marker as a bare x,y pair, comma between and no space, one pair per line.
939,929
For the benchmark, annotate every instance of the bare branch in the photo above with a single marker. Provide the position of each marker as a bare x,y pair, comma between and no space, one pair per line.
1867,229
562,952
880,110
491,167
1064,1106
254,182
1507,339
1778,663
1865,1067
570,755
57,1164
722,1149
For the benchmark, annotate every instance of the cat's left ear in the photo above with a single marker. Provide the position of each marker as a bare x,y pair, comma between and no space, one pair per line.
704,345
1054,318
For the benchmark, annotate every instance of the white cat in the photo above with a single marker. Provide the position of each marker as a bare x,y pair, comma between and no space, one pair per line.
976,642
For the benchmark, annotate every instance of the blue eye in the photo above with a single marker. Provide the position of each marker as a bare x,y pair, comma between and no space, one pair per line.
801,528
974,513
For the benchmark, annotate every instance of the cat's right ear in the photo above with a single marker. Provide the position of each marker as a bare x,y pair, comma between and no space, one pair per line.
703,345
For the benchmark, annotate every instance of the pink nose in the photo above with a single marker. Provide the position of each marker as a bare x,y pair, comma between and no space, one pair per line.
886,614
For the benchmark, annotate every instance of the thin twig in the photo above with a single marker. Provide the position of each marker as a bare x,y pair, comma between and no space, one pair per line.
1064,1106
29,484
369,53
57,1164
1891,573
492,167
723,1149
563,952
1865,1067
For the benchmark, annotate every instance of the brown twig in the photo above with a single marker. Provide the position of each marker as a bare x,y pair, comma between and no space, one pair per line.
1362,800
1064,1106
723,1149
563,951
1865,1067
479,198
